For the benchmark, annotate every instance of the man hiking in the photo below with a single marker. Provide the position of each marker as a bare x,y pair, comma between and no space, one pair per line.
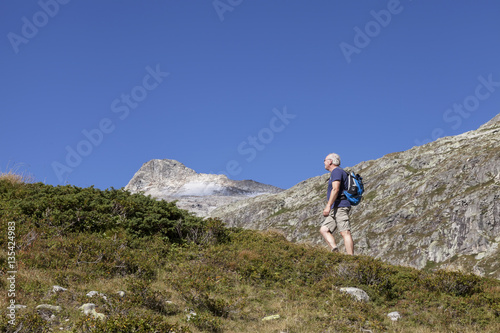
338,207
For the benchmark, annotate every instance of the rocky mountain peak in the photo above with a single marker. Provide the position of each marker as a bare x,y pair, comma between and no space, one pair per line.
157,171
198,192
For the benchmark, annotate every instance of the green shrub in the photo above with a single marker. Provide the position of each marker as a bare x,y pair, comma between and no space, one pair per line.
453,283
142,295
127,323
68,209
206,322
28,323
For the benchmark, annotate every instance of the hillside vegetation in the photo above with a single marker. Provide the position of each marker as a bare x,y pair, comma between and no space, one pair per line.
155,268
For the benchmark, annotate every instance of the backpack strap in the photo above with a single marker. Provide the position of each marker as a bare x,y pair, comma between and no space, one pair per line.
342,195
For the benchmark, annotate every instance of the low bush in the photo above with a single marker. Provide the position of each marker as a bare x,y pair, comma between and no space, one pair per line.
127,323
453,283
27,323
68,209
206,322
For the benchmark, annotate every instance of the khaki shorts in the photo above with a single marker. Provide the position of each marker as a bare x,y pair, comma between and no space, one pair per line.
338,218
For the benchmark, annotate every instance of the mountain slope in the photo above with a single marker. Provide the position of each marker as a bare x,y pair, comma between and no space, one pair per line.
197,192
435,205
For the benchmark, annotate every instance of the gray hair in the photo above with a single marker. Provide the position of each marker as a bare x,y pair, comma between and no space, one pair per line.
335,158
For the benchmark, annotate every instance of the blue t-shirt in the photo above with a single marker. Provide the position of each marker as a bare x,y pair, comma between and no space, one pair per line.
340,175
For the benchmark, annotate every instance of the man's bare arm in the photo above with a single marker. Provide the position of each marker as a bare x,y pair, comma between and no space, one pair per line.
333,196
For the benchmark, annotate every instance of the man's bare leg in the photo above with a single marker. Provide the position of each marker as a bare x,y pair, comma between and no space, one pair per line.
349,243
327,235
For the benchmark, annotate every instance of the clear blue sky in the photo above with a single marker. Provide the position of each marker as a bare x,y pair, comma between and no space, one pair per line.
256,89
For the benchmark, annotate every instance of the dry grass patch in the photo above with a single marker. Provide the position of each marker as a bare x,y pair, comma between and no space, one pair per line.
15,175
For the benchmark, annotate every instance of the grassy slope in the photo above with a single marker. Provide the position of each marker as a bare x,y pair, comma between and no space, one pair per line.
170,263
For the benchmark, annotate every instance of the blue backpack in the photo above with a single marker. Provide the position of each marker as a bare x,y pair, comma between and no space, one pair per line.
355,188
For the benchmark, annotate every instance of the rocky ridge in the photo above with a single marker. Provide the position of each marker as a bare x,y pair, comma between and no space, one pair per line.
432,206
197,192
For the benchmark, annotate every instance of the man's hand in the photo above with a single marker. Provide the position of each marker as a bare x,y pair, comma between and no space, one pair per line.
326,211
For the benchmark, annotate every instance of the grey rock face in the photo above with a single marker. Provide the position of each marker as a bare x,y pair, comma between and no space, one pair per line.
199,193
435,205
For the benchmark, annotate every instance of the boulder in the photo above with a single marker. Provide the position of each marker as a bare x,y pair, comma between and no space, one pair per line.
394,316
358,294
88,309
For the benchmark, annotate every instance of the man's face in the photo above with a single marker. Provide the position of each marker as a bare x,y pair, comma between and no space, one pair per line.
328,162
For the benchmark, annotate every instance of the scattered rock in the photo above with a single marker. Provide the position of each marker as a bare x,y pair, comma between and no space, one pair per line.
89,309
190,315
96,293
46,315
271,317
46,311
57,289
49,307
394,316
359,294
